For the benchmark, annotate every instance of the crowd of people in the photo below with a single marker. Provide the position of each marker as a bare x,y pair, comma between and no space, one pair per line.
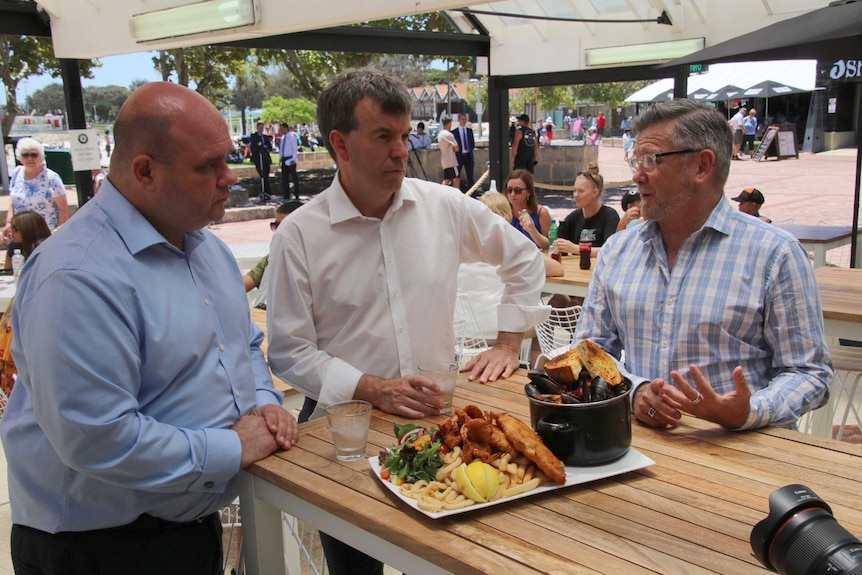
108,440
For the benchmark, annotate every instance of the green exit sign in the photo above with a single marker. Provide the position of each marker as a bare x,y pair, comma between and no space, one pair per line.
698,68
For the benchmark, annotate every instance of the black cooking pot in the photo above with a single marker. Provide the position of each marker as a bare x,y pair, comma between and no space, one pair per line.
584,434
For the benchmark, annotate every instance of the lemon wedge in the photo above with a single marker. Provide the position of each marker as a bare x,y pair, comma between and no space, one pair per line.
478,481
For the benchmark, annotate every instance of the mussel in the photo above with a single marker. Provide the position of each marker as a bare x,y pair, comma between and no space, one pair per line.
601,390
546,389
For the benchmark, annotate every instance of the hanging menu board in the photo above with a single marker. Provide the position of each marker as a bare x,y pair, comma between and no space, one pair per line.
765,142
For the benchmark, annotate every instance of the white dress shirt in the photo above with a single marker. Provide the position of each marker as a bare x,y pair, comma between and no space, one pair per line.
351,294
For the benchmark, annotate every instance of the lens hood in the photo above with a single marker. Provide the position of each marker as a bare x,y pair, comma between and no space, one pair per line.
784,503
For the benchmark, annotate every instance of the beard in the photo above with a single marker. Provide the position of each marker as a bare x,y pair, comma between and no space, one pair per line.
660,209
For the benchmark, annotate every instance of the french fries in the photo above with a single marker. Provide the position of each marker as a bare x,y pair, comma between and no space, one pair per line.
518,475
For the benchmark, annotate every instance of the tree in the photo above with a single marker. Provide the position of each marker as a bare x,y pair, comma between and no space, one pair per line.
550,97
312,70
51,97
136,84
612,93
208,67
25,56
280,84
105,101
293,111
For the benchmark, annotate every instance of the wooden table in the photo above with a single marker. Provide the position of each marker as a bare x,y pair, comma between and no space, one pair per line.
690,513
841,298
575,282
258,316
821,239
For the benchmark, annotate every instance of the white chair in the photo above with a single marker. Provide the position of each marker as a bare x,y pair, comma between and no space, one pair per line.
847,362
468,339
556,333
3,399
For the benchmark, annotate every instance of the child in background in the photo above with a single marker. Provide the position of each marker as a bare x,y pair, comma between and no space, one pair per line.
631,204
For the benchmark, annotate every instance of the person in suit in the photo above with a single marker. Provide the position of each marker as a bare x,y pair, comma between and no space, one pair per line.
261,146
466,145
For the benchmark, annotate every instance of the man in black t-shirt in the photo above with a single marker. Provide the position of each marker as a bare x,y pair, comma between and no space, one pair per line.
524,146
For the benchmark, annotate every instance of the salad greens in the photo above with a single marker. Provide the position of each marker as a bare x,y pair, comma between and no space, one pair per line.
415,457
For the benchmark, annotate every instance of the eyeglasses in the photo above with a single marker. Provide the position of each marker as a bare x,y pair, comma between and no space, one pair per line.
13,227
516,191
649,163
29,154
273,225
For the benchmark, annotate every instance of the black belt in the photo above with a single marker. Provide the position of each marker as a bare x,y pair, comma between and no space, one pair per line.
144,523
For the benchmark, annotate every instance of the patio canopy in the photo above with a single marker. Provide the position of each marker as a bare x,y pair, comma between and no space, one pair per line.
738,80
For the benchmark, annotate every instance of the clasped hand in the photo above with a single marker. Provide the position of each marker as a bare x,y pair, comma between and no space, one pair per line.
266,429
660,405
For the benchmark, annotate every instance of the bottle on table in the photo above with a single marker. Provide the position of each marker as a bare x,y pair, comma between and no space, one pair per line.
17,262
585,249
552,238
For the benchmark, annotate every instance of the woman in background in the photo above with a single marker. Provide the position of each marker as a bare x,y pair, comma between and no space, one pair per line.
521,193
591,221
36,188
28,230
481,284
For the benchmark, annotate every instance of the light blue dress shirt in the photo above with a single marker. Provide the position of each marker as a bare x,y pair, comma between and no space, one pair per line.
134,359
742,292
289,148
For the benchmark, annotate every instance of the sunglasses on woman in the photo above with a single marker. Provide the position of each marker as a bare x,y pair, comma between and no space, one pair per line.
29,155
516,191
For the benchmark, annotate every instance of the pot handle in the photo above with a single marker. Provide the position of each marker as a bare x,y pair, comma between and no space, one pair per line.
555,426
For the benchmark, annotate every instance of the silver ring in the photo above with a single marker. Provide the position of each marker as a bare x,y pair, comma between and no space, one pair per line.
651,412
697,399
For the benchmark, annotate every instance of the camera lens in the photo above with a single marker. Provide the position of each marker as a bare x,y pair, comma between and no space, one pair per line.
801,537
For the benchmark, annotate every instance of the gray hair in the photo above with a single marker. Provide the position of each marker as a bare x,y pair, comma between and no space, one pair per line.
336,104
29,145
696,126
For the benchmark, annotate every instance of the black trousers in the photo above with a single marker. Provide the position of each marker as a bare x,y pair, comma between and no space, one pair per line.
143,547
466,167
289,170
262,166
341,559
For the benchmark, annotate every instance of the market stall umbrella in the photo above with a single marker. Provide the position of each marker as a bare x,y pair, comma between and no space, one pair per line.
660,91
827,34
725,93
769,88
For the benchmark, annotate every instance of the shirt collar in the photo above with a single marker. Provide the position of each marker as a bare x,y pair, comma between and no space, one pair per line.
341,208
133,228
720,220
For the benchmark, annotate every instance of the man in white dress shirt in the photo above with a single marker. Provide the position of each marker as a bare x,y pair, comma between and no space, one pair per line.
363,277
288,154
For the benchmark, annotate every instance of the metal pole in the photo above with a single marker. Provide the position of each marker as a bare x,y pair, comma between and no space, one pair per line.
71,75
853,238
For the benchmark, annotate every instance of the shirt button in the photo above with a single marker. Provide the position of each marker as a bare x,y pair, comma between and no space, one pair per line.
221,347
206,301
236,393
209,484
664,345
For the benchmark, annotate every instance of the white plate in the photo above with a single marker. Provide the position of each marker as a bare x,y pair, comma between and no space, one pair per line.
631,461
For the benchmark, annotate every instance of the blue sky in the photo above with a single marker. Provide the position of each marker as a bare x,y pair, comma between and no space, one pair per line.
115,70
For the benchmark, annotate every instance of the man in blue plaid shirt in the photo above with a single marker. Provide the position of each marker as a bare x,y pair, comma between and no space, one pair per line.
718,312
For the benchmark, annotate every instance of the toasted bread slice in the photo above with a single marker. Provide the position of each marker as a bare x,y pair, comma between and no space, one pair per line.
565,368
597,362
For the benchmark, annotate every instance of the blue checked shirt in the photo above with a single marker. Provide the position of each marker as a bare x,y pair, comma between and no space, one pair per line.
741,292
